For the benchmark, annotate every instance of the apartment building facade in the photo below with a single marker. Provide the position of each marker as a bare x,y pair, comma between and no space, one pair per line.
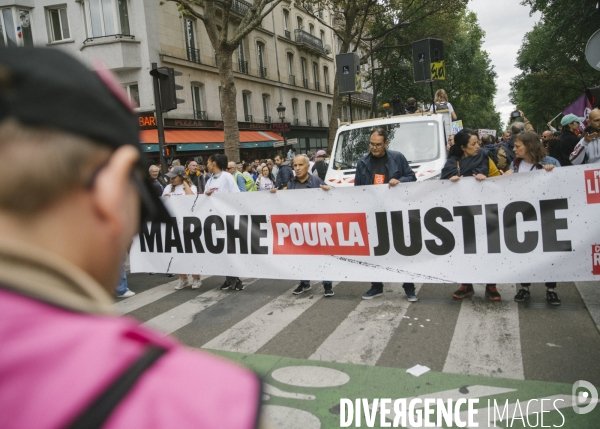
289,59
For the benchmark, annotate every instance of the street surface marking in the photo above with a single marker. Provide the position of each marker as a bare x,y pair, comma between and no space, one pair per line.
277,416
487,338
310,376
272,390
256,330
177,317
364,334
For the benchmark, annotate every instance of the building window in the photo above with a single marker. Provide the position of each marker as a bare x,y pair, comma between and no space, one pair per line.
133,93
308,115
108,18
198,101
290,63
266,108
260,50
328,114
286,19
15,35
295,110
326,79
323,36
247,102
59,24
320,114
303,67
193,54
316,76
311,29
299,23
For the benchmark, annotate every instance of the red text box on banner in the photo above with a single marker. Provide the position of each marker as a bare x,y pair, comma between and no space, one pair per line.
596,259
320,234
592,186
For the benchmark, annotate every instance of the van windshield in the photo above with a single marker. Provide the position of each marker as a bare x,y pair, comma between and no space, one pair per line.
417,141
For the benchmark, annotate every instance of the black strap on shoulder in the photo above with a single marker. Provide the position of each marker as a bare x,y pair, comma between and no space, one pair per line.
100,410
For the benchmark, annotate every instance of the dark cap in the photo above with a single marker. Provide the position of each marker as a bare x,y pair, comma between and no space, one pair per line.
42,87
178,170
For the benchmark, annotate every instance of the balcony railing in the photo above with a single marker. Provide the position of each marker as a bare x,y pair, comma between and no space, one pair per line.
288,35
308,40
248,118
200,114
292,80
317,86
240,7
305,83
216,60
193,55
327,88
262,71
267,119
308,122
243,66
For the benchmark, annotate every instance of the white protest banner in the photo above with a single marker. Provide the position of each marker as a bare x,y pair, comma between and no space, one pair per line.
525,227
483,131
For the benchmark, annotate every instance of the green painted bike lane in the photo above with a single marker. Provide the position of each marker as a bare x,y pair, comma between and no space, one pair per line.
371,382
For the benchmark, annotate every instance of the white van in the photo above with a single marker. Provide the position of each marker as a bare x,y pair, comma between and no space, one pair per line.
421,138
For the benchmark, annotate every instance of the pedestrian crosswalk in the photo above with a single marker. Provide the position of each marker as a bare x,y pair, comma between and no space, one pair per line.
471,337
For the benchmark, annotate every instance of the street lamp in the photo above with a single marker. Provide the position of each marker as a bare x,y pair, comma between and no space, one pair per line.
281,113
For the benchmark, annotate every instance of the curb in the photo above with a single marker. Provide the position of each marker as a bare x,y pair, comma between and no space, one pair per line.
590,294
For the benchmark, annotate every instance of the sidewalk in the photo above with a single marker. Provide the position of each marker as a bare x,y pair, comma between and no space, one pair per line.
590,294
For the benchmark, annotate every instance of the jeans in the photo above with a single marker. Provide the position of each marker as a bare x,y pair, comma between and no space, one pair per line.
326,283
122,286
405,286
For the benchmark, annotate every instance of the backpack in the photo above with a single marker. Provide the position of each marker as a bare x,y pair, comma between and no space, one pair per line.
510,154
441,106
250,184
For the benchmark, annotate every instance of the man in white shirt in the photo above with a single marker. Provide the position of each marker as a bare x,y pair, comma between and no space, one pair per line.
222,182
590,143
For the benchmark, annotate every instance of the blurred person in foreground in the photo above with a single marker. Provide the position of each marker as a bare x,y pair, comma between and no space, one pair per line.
67,360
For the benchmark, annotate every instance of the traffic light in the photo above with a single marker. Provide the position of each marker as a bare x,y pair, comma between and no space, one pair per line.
170,150
168,87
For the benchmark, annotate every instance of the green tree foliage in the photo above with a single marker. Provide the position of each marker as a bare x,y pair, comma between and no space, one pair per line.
470,79
554,72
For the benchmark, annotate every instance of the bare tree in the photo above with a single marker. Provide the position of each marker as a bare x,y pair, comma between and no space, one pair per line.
225,39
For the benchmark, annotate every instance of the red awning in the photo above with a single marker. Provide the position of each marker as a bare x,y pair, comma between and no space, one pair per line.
206,136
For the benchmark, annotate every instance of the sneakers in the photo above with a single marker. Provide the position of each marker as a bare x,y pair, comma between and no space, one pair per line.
552,298
196,283
463,291
372,293
492,293
411,295
328,290
238,285
183,283
129,293
226,286
522,295
302,287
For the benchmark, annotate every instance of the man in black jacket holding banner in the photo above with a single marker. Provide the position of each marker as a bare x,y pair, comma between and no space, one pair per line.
378,167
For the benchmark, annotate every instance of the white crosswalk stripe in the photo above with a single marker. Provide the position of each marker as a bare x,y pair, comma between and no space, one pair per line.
481,345
253,332
364,334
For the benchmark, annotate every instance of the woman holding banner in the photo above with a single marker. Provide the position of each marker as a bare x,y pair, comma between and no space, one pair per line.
531,156
466,159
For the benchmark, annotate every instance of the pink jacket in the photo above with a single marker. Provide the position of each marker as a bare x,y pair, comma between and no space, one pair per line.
55,362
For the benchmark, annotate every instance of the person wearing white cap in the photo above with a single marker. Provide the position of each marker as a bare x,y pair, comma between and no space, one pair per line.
568,138
181,184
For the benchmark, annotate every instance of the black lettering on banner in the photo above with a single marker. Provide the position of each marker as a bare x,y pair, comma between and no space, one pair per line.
492,226
383,238
256,233
172,237
511,237
151,237
414,227
192,236
468,214
430,222
550,225
241,234
213,245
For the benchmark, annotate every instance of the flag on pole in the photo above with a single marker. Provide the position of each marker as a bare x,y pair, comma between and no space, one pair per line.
581,108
